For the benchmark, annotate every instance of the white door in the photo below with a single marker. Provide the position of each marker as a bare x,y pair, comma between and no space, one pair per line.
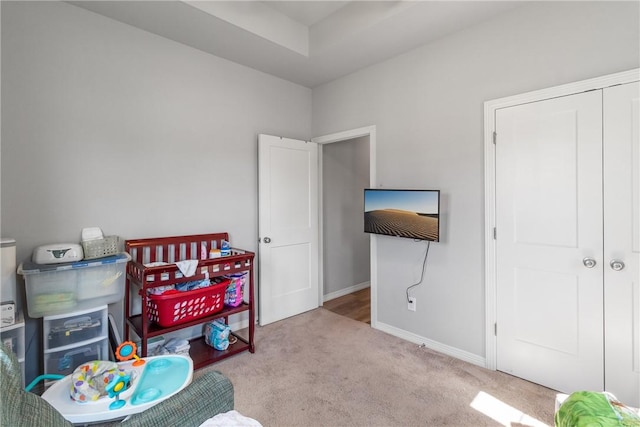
622,241
549,242
288,227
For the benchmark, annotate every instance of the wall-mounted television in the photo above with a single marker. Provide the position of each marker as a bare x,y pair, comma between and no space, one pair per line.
413,214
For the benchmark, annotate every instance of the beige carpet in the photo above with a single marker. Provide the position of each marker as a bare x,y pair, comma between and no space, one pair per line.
322,369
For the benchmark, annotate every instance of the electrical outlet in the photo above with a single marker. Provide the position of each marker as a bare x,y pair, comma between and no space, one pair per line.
412,304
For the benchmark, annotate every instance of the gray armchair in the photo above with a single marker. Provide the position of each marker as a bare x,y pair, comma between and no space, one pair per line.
209,394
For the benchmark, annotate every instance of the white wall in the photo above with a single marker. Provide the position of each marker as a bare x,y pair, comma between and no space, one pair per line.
427,106
110,126
345,174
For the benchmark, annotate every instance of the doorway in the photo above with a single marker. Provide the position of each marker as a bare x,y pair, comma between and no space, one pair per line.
346,258
347,166
290,176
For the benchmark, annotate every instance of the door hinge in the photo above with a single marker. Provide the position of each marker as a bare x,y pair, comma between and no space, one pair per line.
495,137
495,233
495,329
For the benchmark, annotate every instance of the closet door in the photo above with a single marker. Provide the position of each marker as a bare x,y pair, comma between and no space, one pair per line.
549,241
622,241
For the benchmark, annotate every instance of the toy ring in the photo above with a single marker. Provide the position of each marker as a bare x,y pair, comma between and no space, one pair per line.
128,350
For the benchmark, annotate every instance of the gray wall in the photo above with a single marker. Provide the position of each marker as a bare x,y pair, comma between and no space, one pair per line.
110,126
345,173
427,106
106,125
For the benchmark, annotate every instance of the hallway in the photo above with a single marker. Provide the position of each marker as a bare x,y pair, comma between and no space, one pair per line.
355,306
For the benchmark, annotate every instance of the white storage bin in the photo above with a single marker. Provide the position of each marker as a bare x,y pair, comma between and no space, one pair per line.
65,330
60,288
66,360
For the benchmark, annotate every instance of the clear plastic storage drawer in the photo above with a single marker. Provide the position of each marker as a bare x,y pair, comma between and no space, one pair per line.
13,339
65,361
65,330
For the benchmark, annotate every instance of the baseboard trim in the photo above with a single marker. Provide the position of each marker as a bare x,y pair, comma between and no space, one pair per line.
346,291
432,345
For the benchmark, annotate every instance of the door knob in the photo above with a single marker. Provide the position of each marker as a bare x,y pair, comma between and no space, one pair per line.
589,262
267,240
616,265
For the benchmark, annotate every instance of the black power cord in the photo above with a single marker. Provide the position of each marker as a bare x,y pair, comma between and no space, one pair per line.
424,263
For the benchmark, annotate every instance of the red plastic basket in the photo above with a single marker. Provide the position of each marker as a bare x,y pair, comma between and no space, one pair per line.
180,307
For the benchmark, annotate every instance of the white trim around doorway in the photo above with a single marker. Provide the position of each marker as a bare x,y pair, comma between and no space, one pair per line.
369,131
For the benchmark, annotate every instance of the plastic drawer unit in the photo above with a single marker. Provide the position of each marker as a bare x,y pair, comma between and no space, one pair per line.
63,288
75,338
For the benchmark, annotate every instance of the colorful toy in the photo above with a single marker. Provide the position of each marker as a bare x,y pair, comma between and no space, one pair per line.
128,350
90,381
85,396
115,387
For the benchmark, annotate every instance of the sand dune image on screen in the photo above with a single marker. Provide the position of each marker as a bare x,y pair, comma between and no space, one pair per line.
396,222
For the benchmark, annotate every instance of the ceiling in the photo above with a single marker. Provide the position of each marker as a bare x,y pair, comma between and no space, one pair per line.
305,42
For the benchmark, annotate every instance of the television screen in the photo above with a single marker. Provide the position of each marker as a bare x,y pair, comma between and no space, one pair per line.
413,214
